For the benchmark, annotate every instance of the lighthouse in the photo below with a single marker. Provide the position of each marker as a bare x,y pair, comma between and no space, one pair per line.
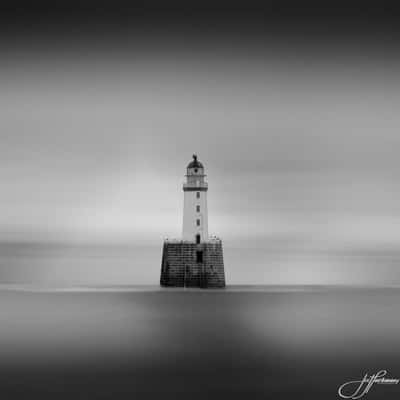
195,260
195,216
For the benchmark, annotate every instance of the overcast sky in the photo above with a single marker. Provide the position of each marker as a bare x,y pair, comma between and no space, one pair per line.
299,135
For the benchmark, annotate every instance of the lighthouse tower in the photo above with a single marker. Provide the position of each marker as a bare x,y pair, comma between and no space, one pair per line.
195,216
196,260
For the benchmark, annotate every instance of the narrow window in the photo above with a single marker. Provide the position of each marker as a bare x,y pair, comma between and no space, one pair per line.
199,256
198,239
198,195
198,208
198,222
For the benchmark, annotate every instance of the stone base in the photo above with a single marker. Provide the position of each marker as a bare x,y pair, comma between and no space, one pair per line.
187,264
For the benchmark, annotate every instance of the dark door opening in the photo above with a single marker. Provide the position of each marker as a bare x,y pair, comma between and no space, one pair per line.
197,238
199,257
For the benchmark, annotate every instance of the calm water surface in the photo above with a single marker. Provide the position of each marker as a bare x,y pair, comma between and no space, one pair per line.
244,342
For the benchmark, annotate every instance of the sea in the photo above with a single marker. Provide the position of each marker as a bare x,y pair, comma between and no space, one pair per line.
242,342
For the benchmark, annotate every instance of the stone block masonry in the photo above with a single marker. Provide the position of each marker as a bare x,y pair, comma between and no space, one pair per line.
188,264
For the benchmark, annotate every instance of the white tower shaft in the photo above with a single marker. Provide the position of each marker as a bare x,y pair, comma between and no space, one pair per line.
195,214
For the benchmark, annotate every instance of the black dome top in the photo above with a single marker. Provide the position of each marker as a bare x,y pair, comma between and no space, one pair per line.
195,163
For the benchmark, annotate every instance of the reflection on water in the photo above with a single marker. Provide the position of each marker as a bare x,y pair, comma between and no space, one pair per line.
197,344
